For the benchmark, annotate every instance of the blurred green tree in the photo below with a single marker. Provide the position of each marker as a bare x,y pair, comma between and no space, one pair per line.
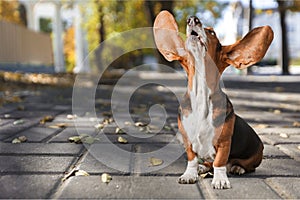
105,19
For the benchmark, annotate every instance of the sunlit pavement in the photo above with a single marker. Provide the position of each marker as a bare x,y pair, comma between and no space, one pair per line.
39,166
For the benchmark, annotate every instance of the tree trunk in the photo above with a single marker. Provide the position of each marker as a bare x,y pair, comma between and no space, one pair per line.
150,7
101,32
284,40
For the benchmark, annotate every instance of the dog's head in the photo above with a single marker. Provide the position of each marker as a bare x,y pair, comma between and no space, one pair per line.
204,42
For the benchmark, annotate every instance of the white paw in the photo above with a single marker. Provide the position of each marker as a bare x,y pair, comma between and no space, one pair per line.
188,178
190,175
220,180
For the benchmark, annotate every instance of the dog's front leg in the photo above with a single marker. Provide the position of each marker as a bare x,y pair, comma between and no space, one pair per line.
222,143
190,175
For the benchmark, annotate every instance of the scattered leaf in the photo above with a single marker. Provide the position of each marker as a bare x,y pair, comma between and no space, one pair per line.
127,123
279,89
207,175
48,118
81,173
167,128
60,125
70,117
88,140
99,126
299,147
16,141
75,172
122,140
140,124
83,138
75,139
111,120
21,107
296,124
19,139
277,112
18,122
261,126
283,135
106,178
156,161
119,131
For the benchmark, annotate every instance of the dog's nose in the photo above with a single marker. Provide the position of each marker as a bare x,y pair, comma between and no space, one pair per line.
193,20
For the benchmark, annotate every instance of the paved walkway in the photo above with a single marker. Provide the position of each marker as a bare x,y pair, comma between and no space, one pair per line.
37,168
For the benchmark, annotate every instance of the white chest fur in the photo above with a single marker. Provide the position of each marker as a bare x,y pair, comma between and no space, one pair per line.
199,123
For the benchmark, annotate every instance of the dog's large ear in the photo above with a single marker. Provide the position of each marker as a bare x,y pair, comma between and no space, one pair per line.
167,38
250,49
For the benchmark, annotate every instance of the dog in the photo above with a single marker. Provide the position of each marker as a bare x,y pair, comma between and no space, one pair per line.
212,133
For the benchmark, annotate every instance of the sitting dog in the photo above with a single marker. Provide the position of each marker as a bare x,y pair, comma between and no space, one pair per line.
210,129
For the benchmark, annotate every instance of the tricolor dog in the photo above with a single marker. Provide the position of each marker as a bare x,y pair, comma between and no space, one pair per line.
210,129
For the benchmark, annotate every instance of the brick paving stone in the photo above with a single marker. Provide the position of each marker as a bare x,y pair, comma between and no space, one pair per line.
287,188
21,164
40,149
273,152
5,121
140,138
278,139
35,134
9,130
277,167
129,187
278,130
172,156
242,188
293,150
27,186
108,158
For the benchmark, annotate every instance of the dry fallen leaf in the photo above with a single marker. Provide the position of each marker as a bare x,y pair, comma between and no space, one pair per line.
299,147
19,139
122,140
296,124
127,123
156,161
59,125
83,138
81,173
99,126
277,112
279,89
18,122
119,131
261,126
75,172
167,128
207,175
7,116
140,124
48,118
283,135
70,117
106,178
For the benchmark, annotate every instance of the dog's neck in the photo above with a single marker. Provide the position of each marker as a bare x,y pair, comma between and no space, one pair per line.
203,72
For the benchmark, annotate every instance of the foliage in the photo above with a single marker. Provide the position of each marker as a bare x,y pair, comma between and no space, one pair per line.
9,11
69,49
45,25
